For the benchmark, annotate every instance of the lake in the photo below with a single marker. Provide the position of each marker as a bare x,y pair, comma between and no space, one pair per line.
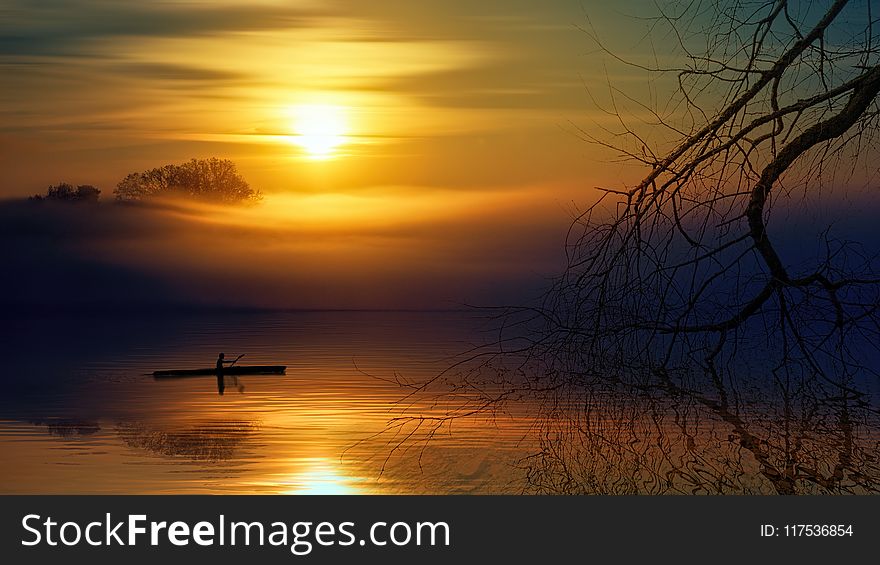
81,412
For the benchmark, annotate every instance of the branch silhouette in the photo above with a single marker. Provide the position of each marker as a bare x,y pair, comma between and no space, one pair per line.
684,348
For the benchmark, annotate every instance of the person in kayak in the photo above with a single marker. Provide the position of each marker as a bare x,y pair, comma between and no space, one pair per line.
220,363
221,385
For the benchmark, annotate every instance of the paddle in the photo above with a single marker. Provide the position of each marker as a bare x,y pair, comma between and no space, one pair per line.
235,379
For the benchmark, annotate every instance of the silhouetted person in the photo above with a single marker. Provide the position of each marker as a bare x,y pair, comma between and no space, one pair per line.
220,363
221,385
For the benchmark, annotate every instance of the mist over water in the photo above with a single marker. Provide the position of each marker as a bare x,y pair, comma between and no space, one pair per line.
312,252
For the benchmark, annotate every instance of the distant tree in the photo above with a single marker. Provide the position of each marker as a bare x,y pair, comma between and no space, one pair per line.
66,192
212,179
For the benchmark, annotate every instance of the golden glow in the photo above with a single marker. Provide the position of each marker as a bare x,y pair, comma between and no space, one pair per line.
337,212
320,129
321,478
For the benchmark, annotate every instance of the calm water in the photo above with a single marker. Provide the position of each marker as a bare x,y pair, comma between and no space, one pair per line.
81,414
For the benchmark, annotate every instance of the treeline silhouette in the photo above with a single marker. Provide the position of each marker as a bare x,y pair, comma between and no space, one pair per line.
66,192
214,180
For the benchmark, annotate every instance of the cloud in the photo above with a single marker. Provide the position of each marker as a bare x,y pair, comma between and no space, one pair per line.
183,73
63,28
97,89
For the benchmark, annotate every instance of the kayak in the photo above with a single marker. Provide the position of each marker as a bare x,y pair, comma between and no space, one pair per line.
234,370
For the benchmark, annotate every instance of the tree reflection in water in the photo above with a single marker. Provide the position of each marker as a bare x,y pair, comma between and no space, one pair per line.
204,441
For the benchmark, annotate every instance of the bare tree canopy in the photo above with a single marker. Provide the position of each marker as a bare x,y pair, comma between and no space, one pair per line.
685,349
213,179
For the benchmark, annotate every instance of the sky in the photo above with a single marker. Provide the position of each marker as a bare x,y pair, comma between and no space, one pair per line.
433,94
411,154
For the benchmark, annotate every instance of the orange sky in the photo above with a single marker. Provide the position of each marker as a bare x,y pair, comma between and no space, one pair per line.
426,145
437,137
453,95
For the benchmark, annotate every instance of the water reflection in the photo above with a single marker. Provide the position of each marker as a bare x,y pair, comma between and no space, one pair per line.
204,441
85,421
68,428
80,421
233,381
599,435
320,477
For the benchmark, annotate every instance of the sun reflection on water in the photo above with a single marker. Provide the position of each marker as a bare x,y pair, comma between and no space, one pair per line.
321,477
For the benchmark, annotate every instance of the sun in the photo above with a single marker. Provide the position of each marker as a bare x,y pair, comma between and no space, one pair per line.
319,129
